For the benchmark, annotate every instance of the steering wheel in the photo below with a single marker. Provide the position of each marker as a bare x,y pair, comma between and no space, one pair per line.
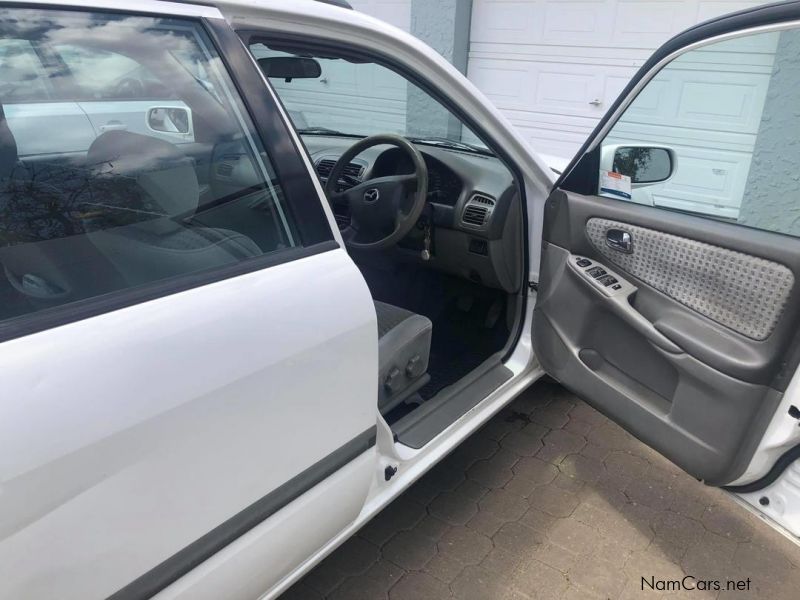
128,87
384,209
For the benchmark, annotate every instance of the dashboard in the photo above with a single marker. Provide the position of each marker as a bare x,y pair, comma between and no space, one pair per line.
472,207
444,186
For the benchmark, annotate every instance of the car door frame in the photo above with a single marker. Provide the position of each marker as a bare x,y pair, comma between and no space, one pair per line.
578,176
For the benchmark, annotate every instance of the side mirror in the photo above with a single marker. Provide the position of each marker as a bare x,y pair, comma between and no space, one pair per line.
645,165
169,119
290,67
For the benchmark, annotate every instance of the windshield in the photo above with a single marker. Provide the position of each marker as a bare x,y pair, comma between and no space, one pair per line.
351,98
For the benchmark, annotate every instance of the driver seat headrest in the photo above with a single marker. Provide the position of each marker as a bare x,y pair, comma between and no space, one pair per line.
157,166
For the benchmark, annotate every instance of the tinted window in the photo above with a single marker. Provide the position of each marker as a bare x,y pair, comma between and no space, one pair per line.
153,172
100,74
22,76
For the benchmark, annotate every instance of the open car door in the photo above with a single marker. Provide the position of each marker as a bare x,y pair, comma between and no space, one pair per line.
669,296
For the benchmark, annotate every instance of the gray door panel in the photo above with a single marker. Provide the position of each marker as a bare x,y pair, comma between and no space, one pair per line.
690,353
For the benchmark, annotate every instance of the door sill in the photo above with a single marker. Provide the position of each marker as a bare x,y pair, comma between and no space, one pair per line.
430,419
749,502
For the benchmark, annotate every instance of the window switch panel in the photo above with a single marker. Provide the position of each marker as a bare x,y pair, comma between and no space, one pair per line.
596,272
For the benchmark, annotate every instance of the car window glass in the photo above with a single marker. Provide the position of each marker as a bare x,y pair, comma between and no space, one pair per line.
22,77
153,172
101,74
358,97
726,113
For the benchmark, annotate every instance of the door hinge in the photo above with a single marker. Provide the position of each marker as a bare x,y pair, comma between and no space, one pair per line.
533,285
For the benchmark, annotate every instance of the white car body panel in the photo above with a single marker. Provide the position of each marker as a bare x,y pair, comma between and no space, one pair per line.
49,127
164,419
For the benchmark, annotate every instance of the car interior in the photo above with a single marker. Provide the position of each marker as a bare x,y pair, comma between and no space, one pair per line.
447,280
468,285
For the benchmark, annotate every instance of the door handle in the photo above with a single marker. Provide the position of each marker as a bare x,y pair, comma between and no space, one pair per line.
113,126
620,240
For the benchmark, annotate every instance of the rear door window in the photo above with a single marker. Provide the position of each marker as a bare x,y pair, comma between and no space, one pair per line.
144,169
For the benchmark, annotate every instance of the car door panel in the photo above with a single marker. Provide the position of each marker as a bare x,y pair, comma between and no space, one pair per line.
198,383
236,384
47,128
657,358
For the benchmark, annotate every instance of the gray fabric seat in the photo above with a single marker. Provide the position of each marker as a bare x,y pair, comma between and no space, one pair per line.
404,347
168,245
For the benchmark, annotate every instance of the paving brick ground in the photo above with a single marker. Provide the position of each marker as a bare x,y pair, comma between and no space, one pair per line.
552,500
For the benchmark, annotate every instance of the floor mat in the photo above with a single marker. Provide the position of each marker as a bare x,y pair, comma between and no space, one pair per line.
461,342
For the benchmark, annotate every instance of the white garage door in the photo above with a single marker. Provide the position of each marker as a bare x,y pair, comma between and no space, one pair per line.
554,66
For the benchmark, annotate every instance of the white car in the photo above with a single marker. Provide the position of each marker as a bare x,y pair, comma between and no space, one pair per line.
223,355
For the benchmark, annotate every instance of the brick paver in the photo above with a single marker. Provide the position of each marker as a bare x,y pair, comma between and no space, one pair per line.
552,500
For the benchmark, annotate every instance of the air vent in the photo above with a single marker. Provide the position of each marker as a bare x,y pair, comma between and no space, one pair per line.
475,215
325,166
485,200
477,211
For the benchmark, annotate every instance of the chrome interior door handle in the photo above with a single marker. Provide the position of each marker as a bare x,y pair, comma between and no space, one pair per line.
620,240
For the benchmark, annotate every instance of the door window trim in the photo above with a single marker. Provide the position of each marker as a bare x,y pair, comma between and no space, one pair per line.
298,188
297,181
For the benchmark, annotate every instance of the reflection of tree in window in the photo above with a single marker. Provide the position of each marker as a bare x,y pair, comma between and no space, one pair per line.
632,162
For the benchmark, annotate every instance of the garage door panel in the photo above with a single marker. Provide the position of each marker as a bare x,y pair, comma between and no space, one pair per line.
697,99
580,22
511,22
639,22
502,84
708,177
549,87
565,92
732,106
553,142
675,137
520,51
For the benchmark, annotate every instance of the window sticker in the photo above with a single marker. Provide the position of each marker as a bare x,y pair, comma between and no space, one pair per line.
615,185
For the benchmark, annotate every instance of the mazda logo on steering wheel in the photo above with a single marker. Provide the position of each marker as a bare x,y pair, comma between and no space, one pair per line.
371,195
